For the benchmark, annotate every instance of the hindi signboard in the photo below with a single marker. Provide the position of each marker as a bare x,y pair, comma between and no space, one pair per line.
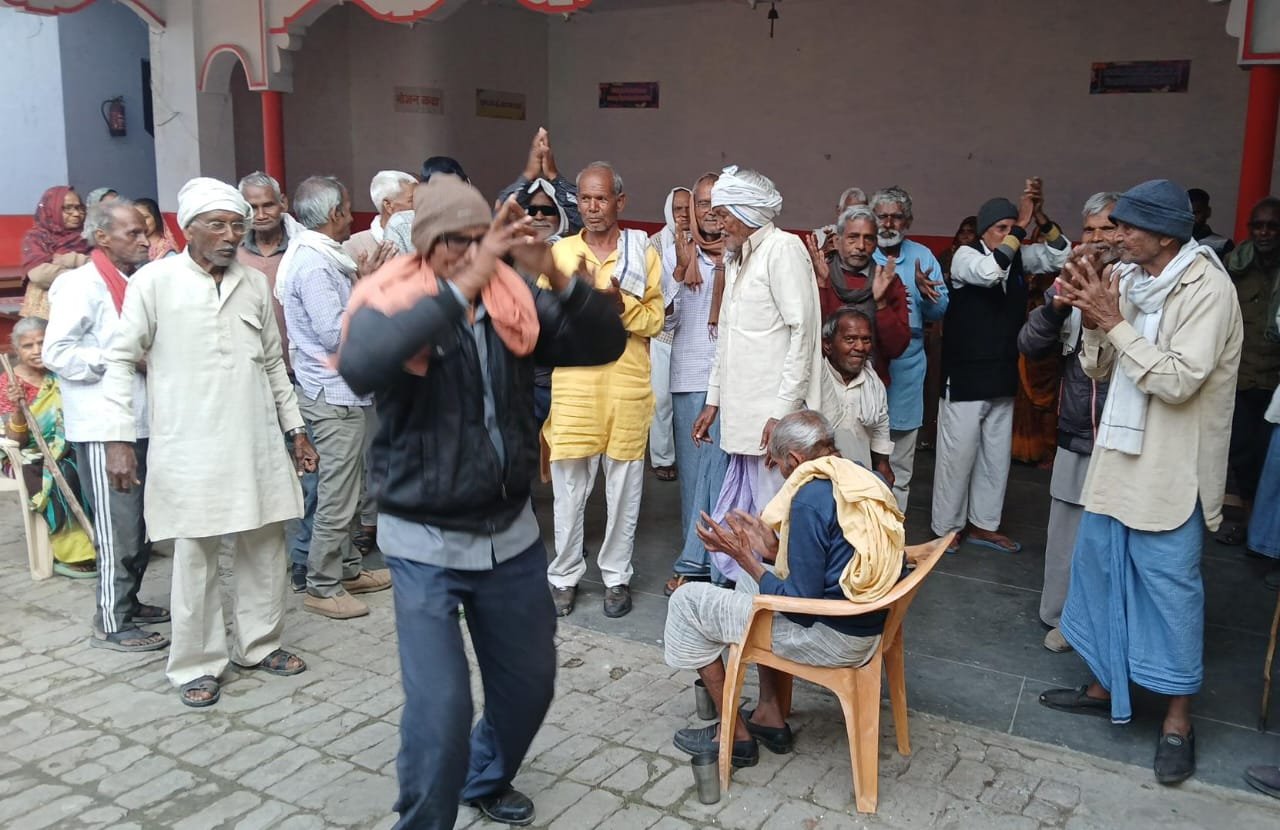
629,95
419,99
494,103
1139,76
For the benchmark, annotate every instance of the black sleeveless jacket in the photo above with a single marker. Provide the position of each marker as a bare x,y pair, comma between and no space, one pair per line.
980,336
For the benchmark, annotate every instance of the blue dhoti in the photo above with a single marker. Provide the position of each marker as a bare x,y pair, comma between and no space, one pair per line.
1135,608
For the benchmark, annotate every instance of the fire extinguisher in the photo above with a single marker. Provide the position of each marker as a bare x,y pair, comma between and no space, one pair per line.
113,114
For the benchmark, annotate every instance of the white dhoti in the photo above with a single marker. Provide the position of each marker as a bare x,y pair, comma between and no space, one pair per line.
572,481
199,638
975,442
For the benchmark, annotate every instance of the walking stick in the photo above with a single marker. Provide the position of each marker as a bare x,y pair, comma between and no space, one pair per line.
49,463
1266,668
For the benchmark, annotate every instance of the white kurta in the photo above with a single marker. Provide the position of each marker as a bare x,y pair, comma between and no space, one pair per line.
219,399
768,360
858,412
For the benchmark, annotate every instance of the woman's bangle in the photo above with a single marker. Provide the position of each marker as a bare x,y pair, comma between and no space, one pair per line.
13,427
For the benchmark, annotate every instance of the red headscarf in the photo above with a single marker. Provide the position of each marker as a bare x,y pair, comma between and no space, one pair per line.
50,236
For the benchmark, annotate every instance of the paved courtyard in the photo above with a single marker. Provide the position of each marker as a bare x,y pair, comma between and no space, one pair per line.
95,739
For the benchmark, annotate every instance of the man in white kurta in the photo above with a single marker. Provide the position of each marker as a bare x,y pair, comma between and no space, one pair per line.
768,363
219,400
853,399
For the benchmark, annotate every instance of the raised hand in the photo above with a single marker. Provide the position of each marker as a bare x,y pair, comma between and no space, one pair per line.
885,275
820,268
929,289
367,263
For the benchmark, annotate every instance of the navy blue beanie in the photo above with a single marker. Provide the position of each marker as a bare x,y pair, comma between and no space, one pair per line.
995,210
1158,206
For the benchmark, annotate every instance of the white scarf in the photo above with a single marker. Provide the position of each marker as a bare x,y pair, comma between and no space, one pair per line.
747,195
300,237
541,184
1124,417
376,230
632,270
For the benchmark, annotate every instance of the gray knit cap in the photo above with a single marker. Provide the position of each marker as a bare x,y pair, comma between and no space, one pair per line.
1158,206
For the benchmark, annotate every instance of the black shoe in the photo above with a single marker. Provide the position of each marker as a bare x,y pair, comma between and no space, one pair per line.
779,741
696,741
1175,757
298,578
563,598
508,807
1264,780
617,601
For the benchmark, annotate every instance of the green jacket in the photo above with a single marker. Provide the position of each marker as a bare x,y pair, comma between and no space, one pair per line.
1259,292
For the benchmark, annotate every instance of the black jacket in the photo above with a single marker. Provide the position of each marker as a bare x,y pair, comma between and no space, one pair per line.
432,459
1080,397
980,334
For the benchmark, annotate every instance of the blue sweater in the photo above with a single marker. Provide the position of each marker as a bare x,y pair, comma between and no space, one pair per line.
817,554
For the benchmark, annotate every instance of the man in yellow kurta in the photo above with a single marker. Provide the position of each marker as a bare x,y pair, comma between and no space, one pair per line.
600,414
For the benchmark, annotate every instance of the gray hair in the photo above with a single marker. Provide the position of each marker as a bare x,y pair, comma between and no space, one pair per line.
856,212
259,179
101,216
894,194
806,433
386,184
98,194
316,199
1097,203
832,324
859,195
25,326
606,167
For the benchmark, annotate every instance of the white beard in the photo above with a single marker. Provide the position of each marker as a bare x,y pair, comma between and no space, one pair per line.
890,241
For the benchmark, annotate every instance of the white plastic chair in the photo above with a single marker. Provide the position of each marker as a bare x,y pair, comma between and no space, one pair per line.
39,549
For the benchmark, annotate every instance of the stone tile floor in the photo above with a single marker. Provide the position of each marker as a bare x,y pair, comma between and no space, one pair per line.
96,739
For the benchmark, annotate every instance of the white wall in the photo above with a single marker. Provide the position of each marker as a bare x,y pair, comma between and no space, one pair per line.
102,48
339,119
955,101
33,141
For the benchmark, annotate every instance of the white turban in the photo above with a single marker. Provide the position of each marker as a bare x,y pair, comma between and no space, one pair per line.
202,194
748,195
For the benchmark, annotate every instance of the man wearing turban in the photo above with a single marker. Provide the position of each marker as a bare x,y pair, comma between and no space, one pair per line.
768,360
219,400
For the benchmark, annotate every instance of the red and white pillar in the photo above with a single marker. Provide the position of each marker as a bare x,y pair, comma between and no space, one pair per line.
273,134
1258,154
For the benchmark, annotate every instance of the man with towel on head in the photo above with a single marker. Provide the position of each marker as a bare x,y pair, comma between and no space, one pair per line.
600,414
768,360
672,244
216,467
1165,327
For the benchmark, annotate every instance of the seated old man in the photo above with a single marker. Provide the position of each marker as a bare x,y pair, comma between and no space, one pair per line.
834,531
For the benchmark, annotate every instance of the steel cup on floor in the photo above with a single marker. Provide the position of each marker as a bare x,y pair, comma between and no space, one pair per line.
702,698
706,774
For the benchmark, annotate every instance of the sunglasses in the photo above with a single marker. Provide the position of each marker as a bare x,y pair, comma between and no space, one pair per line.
458,243
549,211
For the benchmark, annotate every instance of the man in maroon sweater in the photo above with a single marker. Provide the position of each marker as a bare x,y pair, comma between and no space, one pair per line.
849,278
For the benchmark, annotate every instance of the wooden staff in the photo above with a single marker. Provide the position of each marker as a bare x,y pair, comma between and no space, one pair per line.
50,463
1266,668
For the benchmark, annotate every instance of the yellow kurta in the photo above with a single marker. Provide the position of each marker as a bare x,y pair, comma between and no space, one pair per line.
607,409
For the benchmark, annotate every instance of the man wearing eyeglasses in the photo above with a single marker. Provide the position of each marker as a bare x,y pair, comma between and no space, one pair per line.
218,400
1255,269
314,284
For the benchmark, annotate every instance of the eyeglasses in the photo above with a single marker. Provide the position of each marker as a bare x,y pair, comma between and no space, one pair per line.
219,226
542,210
458,244
1264,226
74,208
891,217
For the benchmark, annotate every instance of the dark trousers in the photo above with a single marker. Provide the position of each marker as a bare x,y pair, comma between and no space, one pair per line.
1250,437
121,535
512,623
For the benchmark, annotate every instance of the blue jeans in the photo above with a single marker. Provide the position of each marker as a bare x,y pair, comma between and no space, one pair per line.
512,623
702,471
297,532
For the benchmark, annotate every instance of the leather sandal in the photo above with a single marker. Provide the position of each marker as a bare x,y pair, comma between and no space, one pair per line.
1076,701
208,684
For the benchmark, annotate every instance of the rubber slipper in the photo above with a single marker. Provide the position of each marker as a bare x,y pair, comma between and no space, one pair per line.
996,546
63,569
277,663
1075,701
207,684
120,640
1232,536
150,614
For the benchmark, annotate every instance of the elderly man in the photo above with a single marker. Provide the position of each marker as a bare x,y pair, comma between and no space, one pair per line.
699,265
1255,269
449,338
987,308
600,414
1165,327
219,399
921,275
1054,328
391,192
676,233
853,400
84,319
826,236
768,362
551,199
803,533
314,284
848,277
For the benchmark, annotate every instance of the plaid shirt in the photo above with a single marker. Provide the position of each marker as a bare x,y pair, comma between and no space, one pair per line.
317,296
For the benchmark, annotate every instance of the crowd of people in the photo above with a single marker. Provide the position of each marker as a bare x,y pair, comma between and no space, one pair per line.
401,388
